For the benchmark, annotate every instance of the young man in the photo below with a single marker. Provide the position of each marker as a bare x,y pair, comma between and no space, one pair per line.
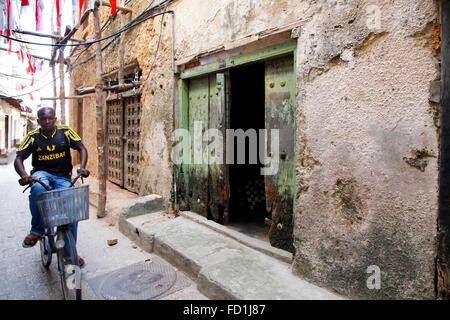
50,148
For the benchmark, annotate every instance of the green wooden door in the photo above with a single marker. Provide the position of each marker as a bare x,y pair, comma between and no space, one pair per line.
198,123
280,116
202,183
217,175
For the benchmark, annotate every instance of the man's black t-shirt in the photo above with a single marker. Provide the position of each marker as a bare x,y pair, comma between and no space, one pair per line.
51,154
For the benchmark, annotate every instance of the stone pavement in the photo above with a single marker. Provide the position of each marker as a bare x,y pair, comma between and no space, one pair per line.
23,276
225,264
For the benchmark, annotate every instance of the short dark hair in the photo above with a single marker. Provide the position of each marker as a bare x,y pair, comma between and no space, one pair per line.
43,109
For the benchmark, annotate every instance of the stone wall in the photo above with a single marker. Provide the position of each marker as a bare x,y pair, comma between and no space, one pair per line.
367,148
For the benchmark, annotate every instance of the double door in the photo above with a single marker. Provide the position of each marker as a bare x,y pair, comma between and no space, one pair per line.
204,186
123,116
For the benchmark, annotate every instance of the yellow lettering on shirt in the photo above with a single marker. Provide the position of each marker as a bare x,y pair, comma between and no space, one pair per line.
51,156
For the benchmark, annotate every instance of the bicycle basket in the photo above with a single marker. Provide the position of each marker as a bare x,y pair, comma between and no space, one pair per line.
64,206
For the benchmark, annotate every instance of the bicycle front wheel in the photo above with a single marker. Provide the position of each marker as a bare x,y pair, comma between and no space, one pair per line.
70,273
46,251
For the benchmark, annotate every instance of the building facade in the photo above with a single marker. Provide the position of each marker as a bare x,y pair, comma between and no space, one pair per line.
342,91
13,127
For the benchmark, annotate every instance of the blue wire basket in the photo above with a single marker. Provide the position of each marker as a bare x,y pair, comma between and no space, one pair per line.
64,206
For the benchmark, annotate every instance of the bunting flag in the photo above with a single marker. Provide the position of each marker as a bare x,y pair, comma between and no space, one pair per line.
58,18
80,5
75,6
20,52
24,3
39,8
113,6
41,64
2,7
8,17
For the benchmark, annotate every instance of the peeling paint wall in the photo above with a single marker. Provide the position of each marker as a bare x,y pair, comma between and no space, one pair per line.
367,132
370,195
156,120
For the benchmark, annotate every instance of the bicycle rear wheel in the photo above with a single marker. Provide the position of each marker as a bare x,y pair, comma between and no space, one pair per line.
70,274
46,251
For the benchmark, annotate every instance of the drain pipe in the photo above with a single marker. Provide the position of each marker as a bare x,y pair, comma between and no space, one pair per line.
175,209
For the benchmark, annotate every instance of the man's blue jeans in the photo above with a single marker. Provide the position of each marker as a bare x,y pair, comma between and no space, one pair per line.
55,182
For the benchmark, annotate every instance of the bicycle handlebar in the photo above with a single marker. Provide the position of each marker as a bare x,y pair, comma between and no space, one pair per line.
35,179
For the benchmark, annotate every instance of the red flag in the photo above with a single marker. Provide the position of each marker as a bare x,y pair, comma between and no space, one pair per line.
58,21
25,3
113,6
32,81
81,7
39,7
8,12
31,96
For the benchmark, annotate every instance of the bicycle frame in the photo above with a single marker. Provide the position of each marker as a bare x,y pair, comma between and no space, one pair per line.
48,246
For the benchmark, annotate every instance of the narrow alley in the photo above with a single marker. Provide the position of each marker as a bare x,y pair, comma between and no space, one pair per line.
24,277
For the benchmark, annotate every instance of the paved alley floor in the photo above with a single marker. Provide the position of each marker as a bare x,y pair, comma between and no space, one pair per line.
24,277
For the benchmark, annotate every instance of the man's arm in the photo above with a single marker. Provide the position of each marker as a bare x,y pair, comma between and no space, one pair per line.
83,159
20,169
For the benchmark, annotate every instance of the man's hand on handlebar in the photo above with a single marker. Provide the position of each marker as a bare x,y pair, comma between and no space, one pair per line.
25,180
84,172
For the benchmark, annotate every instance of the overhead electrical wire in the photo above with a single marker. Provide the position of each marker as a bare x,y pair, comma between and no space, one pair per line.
116,34
88,42
24,78
147,10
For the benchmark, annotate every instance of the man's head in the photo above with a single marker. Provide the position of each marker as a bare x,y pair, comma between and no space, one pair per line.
47,119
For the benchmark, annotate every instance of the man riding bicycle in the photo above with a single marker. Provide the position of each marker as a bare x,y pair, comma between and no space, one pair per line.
52,164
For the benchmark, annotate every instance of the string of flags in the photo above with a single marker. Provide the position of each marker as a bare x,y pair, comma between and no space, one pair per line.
11,12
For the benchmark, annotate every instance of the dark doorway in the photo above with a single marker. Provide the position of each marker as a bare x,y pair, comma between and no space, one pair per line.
247,190
6,133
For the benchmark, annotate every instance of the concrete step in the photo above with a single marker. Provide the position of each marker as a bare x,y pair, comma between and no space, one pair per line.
223,267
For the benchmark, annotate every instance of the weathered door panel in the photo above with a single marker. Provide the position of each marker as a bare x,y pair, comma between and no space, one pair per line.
280,114
198,124
132,108
115,141
123,116
182,167
217,175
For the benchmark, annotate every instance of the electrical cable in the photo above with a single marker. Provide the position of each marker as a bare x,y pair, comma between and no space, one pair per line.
88,42
116,34
156,51
23,78
148,9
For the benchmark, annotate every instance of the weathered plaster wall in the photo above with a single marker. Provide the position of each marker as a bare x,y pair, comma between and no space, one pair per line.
367,149
140,48
205,25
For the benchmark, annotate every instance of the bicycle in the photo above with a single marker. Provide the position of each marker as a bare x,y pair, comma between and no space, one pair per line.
59,208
